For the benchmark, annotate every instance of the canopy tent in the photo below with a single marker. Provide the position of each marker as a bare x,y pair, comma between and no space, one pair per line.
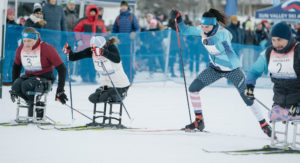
286,11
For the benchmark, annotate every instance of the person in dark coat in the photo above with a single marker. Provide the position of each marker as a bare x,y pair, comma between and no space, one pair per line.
54,16
71,15
36,20
126,22
236,31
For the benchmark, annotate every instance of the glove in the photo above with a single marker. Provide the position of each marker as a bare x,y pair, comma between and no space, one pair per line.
13,95
249,91
175,14
294,110
42,22
66,49
61,96
97,51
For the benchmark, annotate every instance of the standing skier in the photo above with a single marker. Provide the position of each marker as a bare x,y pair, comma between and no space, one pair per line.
223,63
107,62
282,60
38,59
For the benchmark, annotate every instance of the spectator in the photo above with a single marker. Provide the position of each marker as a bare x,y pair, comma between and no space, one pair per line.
248,53
187,20
11,45
36,19
54,16
101,12
90,24
22,21
262,35
249,35
236,31
10,16
197,21
126,22
71,16
298,32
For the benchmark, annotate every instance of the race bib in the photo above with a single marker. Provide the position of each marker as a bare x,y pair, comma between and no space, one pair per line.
31,59
98,61
212,49
282,65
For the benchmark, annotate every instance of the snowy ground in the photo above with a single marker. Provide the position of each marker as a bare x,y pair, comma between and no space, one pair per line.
160,105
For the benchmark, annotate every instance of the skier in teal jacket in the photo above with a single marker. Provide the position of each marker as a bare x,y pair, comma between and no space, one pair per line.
223,63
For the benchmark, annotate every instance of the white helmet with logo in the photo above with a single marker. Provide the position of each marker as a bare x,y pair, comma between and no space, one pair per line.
97,41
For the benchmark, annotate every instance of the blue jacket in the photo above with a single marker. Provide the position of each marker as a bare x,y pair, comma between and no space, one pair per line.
126,22
221,55
237,34
55,17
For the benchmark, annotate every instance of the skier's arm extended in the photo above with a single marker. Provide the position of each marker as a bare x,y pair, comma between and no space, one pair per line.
86,53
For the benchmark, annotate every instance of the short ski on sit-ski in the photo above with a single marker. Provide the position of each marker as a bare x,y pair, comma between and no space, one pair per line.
265,150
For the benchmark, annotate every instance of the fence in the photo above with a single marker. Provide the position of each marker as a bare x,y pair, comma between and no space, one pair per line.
146,56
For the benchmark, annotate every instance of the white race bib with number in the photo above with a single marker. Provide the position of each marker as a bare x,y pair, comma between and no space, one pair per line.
212,49
31,59
281,66
107,64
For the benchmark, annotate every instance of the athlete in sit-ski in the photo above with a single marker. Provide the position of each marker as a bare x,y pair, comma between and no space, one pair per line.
282,60
223,63
38,59
107,62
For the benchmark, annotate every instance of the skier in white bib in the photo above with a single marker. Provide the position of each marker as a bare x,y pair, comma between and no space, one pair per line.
107,61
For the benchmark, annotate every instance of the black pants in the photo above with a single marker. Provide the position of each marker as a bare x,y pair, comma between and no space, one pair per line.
210,75
26,83
104,94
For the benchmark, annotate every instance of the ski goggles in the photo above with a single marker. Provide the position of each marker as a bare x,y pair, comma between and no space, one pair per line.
34,36
208,21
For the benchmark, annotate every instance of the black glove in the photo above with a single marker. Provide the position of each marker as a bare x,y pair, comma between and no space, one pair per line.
175,14
294,110
61,96
13,95
249,91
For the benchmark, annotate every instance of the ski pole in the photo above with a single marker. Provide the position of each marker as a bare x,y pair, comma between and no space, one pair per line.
69,74
112,83
80,112
181,58
262,104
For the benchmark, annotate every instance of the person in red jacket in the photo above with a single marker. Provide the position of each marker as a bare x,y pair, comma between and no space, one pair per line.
90,24
38,58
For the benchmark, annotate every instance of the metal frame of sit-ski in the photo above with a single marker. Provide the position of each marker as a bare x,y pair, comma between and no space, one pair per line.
284,143
39,96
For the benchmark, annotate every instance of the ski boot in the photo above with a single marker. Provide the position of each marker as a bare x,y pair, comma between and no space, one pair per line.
198,124
266,128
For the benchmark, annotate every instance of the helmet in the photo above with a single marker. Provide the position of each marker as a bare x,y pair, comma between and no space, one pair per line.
98,41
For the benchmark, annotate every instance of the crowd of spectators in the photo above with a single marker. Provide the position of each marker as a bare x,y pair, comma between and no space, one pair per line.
54,17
